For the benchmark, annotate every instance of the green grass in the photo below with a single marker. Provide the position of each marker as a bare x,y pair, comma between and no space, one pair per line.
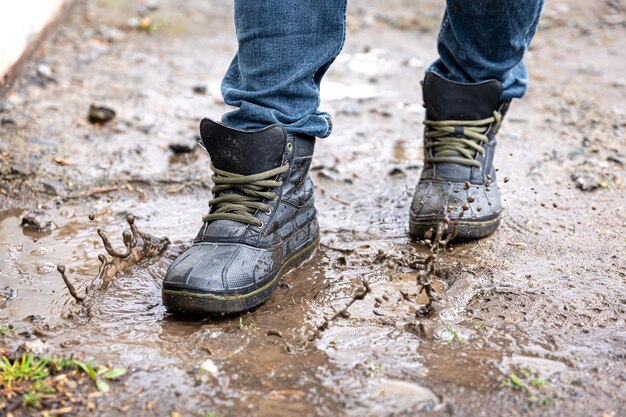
6,328
531,385
514,381
250,325
99,373
31,377
28,375
60,364
454,337
480,326
37,391
26,369
373,370
538,382
546,401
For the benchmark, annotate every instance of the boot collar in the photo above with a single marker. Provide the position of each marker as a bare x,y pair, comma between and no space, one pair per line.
242,152
449,100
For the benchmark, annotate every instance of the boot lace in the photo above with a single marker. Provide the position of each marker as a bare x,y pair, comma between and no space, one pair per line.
458,141
237,197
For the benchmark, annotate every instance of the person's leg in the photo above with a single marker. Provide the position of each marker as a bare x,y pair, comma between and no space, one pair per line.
262,219
285,48
466,93
484,40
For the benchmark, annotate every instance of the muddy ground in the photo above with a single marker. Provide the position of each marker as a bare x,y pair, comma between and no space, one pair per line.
544,299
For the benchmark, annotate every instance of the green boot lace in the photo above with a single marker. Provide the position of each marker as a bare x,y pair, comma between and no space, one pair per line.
448,147
250,191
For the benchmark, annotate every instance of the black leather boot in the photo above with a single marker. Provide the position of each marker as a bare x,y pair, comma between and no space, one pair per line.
262,221
458,179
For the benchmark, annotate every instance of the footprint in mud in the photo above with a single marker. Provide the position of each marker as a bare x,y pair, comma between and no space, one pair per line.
366,357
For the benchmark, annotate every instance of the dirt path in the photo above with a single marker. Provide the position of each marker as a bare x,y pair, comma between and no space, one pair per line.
531,321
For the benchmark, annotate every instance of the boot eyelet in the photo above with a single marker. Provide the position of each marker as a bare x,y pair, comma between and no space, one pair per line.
268,212
289,146
261,225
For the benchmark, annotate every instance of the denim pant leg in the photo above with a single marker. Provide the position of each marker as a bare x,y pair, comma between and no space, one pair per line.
284,49
486,39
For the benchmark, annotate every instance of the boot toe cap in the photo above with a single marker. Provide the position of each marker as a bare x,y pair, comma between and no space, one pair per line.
216,268
476,209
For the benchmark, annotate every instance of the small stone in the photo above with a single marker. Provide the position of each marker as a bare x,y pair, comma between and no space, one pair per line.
52,186
328,174
8,121
470,199
35,347
200,89
133,23
110,34
209,366
22,168
585,182
146,23
148,7
44,71
620,82
182,148
152,5
415,62
397,172
100,114
33,318
37,220
615,160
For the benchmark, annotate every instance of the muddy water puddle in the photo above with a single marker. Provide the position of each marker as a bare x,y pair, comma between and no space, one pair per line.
264,357
261,361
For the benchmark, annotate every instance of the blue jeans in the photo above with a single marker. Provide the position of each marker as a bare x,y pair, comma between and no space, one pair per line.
286,46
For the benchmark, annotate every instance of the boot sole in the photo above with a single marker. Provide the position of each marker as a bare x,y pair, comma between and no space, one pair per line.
189,302
466,230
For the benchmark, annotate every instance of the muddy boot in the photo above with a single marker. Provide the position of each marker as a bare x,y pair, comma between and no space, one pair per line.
458,179
261,222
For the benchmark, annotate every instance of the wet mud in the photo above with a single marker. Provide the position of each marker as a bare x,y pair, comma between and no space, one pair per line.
529,322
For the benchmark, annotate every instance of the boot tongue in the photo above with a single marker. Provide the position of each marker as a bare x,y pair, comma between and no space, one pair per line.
448,100
240,152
